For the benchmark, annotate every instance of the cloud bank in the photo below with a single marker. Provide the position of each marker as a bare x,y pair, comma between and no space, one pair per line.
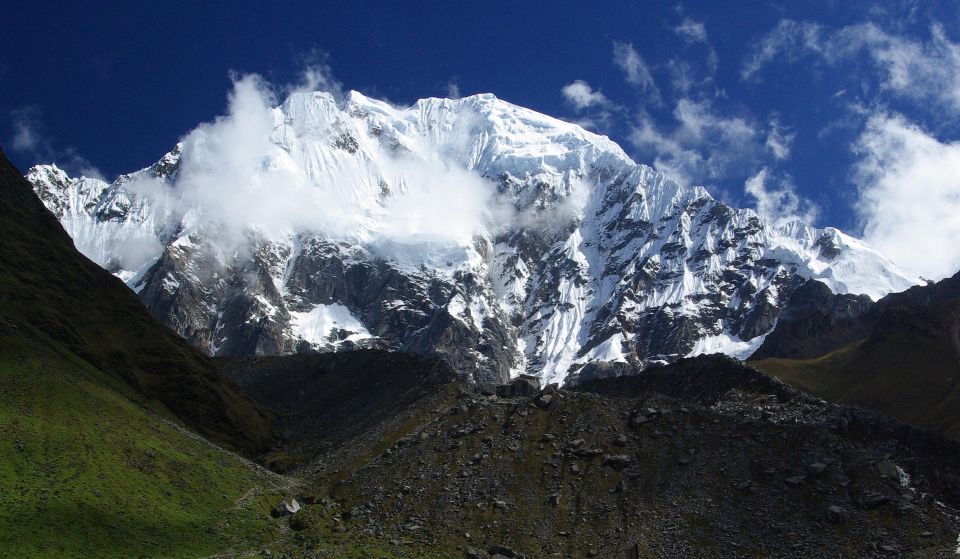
910,195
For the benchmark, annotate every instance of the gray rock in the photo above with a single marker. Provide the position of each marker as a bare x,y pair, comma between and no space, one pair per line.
286,508
504,551
545,401
837,514
617,461
889,471
795,480
871,500
523,385
487,389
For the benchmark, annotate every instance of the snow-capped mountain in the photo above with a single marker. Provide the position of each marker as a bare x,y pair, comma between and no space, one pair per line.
504,239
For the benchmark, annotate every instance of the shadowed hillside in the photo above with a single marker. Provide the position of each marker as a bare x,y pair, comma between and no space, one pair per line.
907,365
94,394
50,289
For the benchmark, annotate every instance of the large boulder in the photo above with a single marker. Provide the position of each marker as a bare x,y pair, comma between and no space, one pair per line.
286,508
523,385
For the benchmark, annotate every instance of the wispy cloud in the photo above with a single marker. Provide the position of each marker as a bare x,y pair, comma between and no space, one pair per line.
779,139
315,75
26,136
691,31
453,89
908,67
30,138
703,145
635,70
776,198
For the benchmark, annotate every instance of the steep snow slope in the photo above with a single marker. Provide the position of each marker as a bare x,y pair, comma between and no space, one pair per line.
501,238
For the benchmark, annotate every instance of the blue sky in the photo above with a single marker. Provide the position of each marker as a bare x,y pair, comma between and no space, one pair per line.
842,113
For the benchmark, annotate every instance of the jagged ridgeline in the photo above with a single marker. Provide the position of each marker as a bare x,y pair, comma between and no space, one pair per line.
497,237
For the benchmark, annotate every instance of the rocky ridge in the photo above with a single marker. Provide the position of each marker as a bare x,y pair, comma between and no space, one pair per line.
706,457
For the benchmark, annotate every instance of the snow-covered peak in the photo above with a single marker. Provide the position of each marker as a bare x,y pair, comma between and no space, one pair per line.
844,263
48,176
504,239
479,132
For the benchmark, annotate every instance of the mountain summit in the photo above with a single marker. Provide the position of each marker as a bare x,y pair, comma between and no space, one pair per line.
503,239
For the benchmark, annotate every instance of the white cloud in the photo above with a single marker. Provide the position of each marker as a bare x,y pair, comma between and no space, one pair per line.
704,145
778,139
234,178
581,95
905,66
635,70
691,31
910,195
682,76
779,202
789,39
670,157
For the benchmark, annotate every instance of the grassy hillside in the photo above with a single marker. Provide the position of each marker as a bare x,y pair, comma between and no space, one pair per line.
86,472
909,367
48,286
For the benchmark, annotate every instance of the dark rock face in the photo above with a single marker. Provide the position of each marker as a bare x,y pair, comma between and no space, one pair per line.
236,309
700,379
817,321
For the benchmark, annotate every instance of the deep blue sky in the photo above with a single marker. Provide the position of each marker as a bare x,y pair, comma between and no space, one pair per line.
116,84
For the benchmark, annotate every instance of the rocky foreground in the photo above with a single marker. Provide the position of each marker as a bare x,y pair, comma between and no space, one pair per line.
740,466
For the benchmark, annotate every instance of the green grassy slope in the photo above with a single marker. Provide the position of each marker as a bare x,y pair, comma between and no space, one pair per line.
86,472
48,286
